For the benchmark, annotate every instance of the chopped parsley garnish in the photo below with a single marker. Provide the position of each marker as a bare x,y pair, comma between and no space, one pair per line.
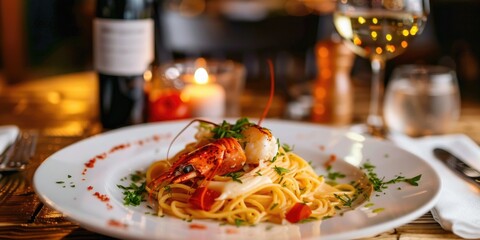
226,129
309,219
273,206
379,184
280,170
369,205
258,173
60,182
287,147
274,158
412,181
333,175
168,189
239,222
345,199
235,176
377,210
137,176
133,194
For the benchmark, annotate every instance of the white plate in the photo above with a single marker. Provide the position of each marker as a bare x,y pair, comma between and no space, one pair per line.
64,183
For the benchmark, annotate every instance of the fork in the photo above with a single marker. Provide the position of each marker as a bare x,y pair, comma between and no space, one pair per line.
17,155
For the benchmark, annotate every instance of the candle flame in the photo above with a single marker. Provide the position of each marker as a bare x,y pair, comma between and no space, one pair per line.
201,76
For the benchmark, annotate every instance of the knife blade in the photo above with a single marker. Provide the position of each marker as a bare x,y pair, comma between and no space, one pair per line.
458,165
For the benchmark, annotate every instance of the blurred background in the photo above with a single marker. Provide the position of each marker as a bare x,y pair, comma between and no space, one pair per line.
42,38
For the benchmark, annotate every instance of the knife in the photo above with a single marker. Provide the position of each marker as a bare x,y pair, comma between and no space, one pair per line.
459,166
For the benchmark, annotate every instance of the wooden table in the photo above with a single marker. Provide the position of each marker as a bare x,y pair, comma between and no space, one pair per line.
63,110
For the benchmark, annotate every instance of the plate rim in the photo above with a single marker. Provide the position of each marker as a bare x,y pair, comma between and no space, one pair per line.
364,232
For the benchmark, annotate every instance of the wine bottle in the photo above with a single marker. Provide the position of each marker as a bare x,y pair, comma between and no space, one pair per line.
123,51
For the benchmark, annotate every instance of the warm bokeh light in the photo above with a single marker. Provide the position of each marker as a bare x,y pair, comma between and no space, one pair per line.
147,75
374,20
374,34
201,76
378,50
405,32
323,52
388,37
54,97
361,20
320,93
357,41
404,44
390,48
326,73
414,30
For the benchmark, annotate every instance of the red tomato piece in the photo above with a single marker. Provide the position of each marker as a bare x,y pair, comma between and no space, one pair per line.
168,106
203,198
298,212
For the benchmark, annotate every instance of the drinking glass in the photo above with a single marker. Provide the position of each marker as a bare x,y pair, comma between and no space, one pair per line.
422,100
379,30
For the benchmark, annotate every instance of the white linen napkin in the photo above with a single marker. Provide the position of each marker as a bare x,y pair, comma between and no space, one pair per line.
458,208
8,135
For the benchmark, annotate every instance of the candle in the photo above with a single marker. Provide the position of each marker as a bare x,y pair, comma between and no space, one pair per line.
205,99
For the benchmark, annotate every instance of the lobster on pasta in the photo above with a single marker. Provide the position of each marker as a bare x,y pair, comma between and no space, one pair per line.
240,174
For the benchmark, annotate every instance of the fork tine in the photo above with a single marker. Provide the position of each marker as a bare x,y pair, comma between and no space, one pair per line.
7,154
22,150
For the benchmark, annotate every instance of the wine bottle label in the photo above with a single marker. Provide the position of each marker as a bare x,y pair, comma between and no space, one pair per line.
123,47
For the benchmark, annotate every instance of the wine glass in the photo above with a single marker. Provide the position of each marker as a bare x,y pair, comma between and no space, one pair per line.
379,30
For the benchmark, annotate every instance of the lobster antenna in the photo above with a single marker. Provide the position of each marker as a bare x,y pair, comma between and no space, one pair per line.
272,91
183,130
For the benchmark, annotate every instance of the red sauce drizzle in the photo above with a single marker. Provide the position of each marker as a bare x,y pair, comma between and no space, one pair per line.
101,156
198,226
331,160
90,164
232,231
101,197
115,223
119,147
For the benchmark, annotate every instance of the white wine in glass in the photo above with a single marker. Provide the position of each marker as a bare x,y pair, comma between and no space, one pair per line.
379,30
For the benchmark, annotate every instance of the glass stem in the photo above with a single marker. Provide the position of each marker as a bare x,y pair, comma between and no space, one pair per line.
375,119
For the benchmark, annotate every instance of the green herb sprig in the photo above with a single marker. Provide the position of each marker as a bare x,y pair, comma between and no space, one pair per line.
226,129
380,184
332,175
280,170
287,147
134,193
235,176
345,200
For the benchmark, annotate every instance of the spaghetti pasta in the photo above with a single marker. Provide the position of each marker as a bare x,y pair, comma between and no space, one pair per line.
262,194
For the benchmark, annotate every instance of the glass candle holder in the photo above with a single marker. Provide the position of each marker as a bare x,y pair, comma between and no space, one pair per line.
197,88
